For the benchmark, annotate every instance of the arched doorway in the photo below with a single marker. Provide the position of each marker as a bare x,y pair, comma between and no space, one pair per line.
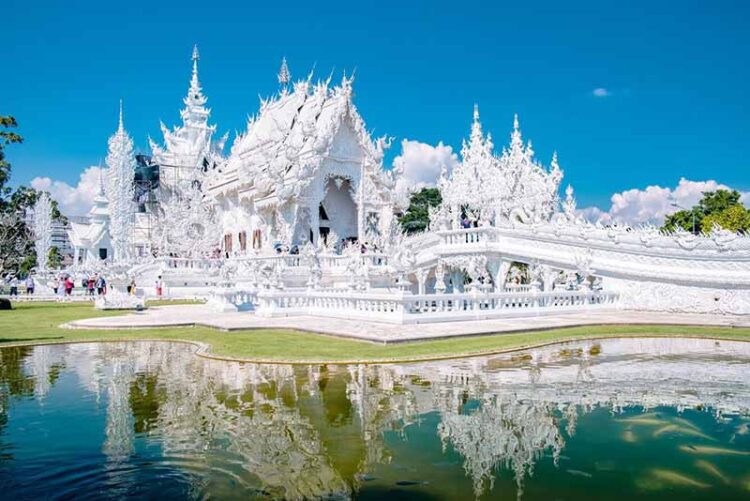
338,211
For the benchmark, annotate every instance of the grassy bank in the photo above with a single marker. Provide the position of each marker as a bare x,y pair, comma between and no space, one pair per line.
39,323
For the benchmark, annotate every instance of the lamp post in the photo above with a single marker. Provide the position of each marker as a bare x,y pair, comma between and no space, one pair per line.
678,206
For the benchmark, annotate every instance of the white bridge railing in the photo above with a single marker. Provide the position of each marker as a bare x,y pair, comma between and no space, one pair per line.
335,261
190,264
398,307
465,236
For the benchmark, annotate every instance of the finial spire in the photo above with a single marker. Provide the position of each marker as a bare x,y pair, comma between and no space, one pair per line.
284,76
515,121
101,180
476,112
194,84
121,126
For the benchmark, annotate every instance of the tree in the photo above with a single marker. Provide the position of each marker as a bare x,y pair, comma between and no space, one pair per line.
15,241
16,245
6,137
417,215
54,257
722,207
734,218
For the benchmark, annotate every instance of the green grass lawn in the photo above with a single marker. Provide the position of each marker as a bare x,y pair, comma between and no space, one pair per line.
39,323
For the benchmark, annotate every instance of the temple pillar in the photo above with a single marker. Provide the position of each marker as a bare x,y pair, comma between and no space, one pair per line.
315,223
440,278
499,272
457,278
548,278
421,274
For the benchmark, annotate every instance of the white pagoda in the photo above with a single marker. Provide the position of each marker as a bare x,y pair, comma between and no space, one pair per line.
189,149
90,240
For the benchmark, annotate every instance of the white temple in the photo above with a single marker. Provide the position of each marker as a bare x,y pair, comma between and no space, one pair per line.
91,240
304,169
300,218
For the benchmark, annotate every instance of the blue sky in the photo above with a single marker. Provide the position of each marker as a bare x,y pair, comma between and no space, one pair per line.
675,73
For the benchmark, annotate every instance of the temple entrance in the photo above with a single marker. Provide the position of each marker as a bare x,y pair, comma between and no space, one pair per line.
337,211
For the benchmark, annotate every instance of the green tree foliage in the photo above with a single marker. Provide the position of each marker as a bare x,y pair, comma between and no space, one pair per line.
17,252
6,137
54,257
722,207
734,218
417,215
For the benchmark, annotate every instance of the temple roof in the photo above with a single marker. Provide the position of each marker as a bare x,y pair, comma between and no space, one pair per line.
293,131
190,144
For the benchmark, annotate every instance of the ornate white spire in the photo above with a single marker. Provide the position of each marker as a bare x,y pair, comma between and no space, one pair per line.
516,140
42,226
284,76
121,189
190,148
121,126
102,191
476,127
569,206
196,56
195,112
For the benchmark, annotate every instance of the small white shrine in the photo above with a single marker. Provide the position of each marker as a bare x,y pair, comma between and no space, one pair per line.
91,240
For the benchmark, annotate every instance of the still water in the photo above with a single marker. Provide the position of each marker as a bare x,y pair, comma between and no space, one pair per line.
615,419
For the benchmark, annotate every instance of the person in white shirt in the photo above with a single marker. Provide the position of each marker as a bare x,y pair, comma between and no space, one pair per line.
159,287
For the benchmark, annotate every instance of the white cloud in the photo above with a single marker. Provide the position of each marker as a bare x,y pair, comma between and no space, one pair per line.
652,204
72,200
601,92
421,164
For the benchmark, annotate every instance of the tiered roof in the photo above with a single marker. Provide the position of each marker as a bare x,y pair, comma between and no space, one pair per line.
512,186
190,145
276,157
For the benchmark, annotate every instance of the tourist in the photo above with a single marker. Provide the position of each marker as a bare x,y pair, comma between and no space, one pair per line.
90,286
14,286
30,285
69,286
101,285
131,287
159,287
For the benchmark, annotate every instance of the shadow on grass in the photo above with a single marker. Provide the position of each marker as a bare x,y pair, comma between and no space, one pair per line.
29,339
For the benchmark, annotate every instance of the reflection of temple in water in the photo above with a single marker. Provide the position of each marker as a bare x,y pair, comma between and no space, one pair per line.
312,431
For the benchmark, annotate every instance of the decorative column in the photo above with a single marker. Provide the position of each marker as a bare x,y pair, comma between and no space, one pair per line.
421,274
440,278
548,278
315,223
498,270
361,209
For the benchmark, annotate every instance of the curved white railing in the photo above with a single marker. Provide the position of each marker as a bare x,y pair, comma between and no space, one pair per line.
408,308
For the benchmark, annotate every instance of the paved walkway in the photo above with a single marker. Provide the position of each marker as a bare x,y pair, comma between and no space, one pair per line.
201,315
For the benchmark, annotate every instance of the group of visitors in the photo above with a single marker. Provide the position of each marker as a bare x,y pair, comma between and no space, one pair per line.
14,283
93,285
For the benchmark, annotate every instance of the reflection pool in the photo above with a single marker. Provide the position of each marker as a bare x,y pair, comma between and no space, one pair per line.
653,418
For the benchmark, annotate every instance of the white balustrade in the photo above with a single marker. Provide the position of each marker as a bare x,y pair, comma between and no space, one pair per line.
401,307
464,236
327,261
190,264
